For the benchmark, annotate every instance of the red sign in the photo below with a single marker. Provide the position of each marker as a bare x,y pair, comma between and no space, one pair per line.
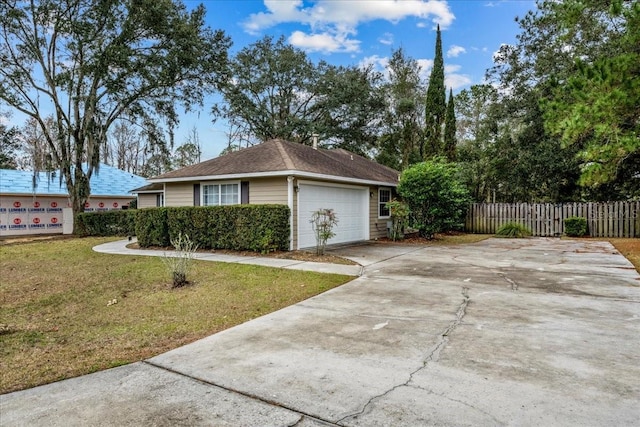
54,204
36,204
36,220
16,204
17,221
54,220
101,204
86,205
115,204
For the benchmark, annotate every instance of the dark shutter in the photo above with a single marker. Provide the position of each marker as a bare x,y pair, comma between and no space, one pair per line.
196,194
244,192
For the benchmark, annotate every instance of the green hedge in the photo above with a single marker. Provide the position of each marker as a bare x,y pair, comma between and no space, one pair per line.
151,227
107,223
261,228
575,226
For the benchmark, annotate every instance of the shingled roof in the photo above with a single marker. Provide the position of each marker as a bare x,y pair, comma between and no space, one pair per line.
278,157
105,181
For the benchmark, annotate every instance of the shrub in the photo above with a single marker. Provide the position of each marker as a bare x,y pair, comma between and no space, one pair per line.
399,212
322,222
107,223
513,230
435,196
260,228
575,226
179,262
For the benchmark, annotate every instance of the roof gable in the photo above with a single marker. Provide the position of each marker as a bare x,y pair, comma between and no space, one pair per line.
283,156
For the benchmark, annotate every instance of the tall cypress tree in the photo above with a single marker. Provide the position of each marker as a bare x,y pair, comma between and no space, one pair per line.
435,105
450,130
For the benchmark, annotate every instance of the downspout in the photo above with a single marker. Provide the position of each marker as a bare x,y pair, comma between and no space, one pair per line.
290,203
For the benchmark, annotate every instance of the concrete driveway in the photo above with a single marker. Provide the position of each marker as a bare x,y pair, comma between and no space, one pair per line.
503,332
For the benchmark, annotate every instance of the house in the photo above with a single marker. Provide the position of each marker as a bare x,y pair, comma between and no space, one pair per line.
281,172
39,203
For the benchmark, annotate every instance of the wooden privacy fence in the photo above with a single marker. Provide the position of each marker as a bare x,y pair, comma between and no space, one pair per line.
612,219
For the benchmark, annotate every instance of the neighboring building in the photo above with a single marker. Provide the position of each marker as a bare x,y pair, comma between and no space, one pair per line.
149,196
280,172
26,208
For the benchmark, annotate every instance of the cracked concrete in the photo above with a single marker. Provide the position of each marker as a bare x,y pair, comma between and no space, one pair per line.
432,356
504,332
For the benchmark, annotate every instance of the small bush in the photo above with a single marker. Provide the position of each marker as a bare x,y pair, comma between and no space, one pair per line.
513,230
399,212
575,226
322,221
179,263
107,223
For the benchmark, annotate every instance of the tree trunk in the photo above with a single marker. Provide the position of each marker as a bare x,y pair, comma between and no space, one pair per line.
79,191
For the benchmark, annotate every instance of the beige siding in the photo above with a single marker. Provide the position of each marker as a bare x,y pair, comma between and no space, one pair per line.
268,191
178,194
146,200
377,227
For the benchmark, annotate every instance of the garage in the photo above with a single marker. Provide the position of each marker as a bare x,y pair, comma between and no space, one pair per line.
350,203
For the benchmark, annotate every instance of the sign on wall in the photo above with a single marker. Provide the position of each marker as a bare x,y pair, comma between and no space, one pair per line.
24,215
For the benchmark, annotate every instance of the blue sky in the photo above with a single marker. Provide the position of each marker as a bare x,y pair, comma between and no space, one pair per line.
359,32
352,32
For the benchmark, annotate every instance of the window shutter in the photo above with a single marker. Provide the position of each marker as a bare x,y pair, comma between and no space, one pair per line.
244,192
196,194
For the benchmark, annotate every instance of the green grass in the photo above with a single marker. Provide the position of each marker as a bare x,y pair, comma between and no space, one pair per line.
55,321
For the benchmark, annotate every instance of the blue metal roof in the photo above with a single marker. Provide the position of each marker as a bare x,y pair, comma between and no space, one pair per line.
107,181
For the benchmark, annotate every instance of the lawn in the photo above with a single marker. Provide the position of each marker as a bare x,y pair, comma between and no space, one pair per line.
630,248
66,310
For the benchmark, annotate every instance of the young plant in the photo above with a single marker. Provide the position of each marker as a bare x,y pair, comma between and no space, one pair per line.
322,222
513,230
399,212
179,262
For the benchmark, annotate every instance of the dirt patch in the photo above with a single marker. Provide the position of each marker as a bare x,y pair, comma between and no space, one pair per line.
19,240
449,238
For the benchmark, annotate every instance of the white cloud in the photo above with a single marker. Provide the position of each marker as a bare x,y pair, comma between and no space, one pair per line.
425,68
452,78
456,81
324,42
337,20
379,63
387,38
455,50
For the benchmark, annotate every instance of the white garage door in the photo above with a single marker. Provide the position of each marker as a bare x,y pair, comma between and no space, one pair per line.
351,205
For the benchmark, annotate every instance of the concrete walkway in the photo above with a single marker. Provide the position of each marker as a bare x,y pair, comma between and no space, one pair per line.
120,247
535,332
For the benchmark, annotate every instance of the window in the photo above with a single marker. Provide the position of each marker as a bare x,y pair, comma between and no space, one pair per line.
220,194
384,196
160,199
